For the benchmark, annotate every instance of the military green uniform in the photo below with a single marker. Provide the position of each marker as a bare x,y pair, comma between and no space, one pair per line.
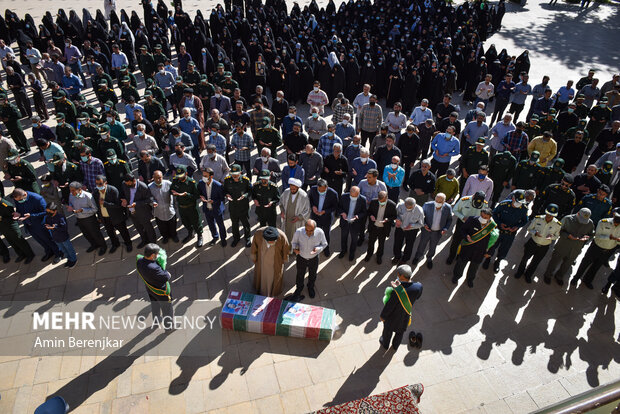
177,92
92,112
128,91
90,133
115,172
238,208
132,79
471,161
264,195
74,153
67,107
599,117
158,93
268,135
526,175
582,110
26,171
218,77
204,90
106,94
228,87
153,110
147,64
65,133
10,230
159,57
66,176
192,79
605,173
10,115
550,125
532,131
111,143
555,194
501,169
188,207
551,175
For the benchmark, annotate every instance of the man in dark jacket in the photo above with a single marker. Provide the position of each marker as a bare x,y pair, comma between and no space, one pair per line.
382,214
112,213
396,314
147,165
352,211
157,281
476,232
138,200
324,203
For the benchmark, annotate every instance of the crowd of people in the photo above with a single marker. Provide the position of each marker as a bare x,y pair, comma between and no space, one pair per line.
186,119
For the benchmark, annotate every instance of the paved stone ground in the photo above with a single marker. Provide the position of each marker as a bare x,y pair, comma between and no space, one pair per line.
502,347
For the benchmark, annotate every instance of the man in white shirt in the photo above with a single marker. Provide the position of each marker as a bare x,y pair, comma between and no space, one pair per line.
307,243
396,120
485,90
360,100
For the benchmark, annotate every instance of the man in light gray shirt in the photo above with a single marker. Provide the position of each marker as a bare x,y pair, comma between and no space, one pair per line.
216,162
163,207
180,157
307,243
83,205
409,220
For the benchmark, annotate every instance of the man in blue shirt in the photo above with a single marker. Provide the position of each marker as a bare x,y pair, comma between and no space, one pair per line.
192,128
517,99
444,147
359,166
502,96
327,141
289,121
393,176
72,84
564,95
345,131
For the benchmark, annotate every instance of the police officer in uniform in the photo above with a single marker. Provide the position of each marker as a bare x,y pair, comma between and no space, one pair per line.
544,229
268,136
107,142
559,194
115,169
237,189
88,130
185,190
266,198
65,106
84,107
606,238
21,172
526,173
510,215
10,115
153,109
10,230
466,207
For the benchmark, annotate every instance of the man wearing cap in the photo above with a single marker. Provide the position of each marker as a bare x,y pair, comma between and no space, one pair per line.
9,228
205,91
128,91
66,107
137,198
112,213
559,194
544,230
30,210
188,68
186,192
266,197
65,132
551,174
267,136
398,304
465,208
294,207
479,183
146,63
598,203
324,203
83,107
606,238
476,235
472,159
501,170
510,215
21,172
65,172
270,251
549,123
238,189
228,84
575,232
106,95
153,109
10,115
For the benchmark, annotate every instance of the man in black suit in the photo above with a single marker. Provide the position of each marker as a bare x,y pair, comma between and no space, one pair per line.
352,211
324,202
396,313
157,282
138,200
112,213
147,165
382,213
213,199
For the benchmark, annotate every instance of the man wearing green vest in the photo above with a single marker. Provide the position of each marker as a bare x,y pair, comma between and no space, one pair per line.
398,304
152,270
